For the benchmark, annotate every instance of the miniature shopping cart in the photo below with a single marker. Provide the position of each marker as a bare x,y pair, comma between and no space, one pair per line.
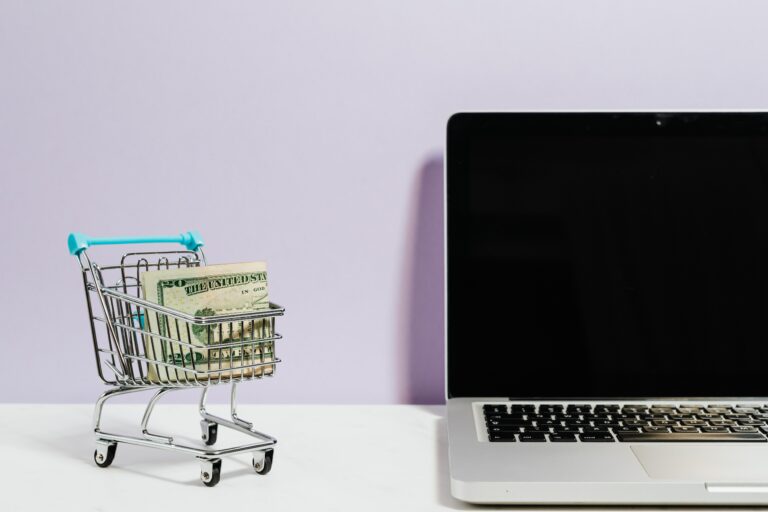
132,354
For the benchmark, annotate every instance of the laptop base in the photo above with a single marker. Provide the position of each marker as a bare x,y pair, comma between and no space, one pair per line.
581,473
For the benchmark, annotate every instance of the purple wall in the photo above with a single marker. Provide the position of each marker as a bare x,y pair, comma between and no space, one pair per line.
308,134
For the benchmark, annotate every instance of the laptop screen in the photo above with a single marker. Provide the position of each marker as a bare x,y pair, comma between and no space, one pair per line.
607,255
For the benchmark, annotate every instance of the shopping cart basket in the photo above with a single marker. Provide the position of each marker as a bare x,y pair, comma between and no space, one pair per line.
128,358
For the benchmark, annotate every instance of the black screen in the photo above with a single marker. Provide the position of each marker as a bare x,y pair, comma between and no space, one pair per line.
607,255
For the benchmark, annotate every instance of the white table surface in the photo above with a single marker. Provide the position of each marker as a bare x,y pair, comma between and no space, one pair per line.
339,458
327,458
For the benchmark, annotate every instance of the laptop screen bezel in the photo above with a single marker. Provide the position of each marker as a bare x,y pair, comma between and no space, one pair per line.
462,126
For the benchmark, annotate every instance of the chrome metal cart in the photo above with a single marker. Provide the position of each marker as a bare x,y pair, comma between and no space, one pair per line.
124,343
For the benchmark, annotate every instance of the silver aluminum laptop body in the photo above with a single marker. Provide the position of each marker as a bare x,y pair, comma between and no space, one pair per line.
611,473
671,471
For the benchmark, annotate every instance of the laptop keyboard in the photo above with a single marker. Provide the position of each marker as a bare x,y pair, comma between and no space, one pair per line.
558,423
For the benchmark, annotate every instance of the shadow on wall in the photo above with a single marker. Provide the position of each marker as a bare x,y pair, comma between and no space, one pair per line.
424,351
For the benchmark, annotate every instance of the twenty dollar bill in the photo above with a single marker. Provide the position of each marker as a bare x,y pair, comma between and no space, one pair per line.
205,291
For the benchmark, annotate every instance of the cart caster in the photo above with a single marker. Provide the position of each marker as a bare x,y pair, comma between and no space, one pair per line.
263,464
210,432
104,454
210,471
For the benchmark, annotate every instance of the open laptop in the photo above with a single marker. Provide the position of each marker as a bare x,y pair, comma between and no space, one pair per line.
607,307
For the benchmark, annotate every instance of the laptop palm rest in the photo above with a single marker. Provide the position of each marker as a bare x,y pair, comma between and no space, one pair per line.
709,463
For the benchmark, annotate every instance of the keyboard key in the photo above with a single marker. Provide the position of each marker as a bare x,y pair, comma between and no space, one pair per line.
751,423
656,429
536,430
501,430
507,423
532,438
508,418
596,437
501,438
595,429
565,430
608,423
685,430
562,438
494,409
715,430
581,409
678,438
743,430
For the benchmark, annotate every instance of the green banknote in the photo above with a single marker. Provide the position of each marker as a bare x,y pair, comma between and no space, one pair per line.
211,290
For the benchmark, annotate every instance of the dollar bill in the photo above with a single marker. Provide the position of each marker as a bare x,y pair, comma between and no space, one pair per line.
204,291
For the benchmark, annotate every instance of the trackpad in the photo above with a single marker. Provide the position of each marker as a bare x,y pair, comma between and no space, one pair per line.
709,463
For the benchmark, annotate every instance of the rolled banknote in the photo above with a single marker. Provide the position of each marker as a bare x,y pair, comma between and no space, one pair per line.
211,290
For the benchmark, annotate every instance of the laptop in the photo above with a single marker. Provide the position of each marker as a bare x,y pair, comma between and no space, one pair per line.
607,308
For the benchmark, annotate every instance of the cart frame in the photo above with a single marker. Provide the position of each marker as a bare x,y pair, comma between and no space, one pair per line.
133,354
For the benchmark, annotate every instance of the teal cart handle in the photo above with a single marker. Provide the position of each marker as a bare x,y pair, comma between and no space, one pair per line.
78,242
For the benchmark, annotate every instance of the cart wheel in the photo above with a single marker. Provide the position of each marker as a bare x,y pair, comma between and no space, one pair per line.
104,458
212,474
210,432
264,465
